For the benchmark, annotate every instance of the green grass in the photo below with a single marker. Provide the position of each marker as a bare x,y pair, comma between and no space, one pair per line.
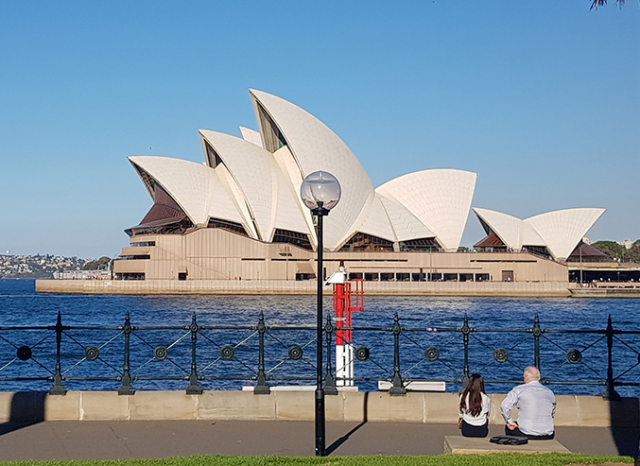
553,459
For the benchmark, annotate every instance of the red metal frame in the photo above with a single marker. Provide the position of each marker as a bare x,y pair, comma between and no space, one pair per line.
347,299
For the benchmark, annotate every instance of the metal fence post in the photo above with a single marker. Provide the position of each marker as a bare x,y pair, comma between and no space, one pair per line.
466,331
537,332
398,388
261,387
610,392
194,388
329,382
58,388
126,388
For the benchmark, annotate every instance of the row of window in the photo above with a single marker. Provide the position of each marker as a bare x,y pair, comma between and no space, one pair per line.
419,277
129,276
368,276
143,244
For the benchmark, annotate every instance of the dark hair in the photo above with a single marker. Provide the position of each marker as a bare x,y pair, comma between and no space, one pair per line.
474,388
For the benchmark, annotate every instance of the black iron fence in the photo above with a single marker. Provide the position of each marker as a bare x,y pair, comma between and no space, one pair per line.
196,357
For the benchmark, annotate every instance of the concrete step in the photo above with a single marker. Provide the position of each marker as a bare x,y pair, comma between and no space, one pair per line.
459,445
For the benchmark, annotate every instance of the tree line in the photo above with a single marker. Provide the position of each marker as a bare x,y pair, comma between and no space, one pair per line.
619,252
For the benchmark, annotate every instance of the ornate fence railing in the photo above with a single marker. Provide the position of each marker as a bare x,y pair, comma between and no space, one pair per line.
195,357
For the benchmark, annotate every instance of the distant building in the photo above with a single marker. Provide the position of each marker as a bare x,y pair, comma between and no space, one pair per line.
82,275
239,215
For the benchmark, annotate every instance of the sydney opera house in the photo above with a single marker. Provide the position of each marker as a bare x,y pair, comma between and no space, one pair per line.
238,217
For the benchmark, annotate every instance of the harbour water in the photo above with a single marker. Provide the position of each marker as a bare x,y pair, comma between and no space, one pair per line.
20,306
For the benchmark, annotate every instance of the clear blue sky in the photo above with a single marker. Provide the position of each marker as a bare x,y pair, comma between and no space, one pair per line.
541,99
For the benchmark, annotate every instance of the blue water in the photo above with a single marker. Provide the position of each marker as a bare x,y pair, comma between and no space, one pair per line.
20,306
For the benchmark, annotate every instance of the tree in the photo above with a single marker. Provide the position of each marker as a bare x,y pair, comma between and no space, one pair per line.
596,3
618,252
97,264
610,248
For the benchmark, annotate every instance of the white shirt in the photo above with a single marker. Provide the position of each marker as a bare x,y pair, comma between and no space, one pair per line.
536,408
481,418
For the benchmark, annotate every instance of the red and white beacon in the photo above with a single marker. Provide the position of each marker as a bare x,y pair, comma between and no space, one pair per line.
348,297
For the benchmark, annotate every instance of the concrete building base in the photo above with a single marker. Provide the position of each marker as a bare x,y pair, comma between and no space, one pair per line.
285,287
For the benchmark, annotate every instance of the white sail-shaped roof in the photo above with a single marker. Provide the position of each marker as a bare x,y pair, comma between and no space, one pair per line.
238,198
188,183
267,194
288,214
377,224
222,205
512,231
530,237
405,225
249,166
315,147
559,231
441,199
563,229
251,136
291,173
506,227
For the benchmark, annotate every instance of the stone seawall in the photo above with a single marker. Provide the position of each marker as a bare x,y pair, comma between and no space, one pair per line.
605,293
275,287
291,405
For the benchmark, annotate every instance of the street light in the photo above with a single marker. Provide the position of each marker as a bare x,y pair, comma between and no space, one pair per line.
320,191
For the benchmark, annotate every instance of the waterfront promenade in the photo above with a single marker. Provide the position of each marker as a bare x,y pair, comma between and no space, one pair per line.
84,440
105,425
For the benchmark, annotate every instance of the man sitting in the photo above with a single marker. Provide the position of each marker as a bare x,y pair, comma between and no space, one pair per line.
536,407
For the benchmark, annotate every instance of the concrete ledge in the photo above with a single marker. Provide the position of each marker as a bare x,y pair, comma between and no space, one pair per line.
459,445
417,407
236,406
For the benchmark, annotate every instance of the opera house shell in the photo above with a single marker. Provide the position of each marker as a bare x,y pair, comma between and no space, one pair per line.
554,233
239,217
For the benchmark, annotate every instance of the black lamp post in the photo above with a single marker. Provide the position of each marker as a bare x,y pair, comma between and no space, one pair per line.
320,192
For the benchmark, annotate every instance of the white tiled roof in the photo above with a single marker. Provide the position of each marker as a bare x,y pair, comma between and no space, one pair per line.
188,183
506,227
563,229
222,205
266,192
377,223
559,231
315,147
441,199
405,225
251,136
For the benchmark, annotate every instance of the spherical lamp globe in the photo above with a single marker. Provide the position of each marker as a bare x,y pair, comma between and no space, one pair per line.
320,191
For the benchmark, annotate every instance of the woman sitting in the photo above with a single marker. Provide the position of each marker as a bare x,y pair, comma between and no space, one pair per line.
475,406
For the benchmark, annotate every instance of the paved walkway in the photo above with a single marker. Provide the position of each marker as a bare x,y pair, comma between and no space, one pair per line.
63,440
